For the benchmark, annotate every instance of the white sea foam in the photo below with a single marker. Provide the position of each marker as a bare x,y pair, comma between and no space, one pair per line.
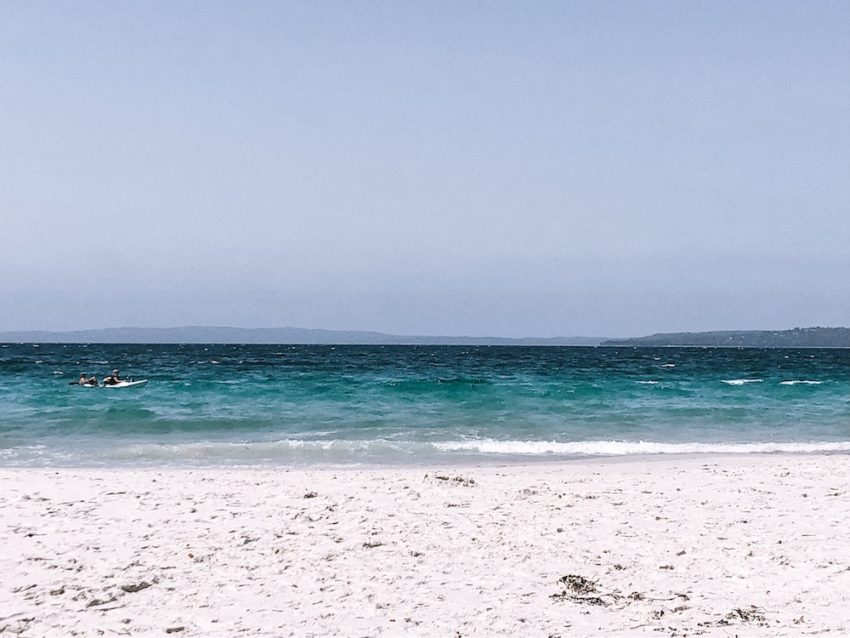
378,450
800,382
648,382
618,448
741,381
259,451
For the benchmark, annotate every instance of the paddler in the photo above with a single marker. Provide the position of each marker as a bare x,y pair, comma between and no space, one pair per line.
112,379
87,380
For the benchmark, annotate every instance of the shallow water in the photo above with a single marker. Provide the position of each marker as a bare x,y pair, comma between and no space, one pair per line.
294,405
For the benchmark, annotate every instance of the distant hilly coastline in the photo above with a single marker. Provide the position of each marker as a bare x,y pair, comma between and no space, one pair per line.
218,334
797,338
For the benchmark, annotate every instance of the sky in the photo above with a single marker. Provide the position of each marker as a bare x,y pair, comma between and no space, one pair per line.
453,168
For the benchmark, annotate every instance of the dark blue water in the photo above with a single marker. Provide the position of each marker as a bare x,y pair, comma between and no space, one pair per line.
326,405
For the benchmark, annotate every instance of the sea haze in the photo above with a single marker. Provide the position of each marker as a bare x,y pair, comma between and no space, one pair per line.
329,405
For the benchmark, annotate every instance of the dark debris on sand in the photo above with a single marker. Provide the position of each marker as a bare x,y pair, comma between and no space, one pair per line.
579,589
578,584
576,589
751,614
454,480
132,589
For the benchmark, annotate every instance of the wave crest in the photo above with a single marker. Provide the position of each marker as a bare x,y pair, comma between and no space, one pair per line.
622,448
380,451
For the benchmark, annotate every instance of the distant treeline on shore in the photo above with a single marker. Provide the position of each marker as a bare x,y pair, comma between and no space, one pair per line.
796,338
288,335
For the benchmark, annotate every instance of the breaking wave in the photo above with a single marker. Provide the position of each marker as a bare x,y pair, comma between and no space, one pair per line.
622,448
741,381
383,451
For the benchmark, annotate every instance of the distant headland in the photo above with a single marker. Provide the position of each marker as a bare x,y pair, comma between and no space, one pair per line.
797,338
816,337
218,334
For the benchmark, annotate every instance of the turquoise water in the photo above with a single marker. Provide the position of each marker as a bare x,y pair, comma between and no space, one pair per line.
326,405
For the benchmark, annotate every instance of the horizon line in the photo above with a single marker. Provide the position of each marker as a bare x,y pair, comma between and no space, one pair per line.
349,336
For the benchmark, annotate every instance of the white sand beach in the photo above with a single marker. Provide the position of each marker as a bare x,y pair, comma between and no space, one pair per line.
715,546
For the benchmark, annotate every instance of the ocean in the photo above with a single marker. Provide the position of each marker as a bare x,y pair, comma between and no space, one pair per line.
279,405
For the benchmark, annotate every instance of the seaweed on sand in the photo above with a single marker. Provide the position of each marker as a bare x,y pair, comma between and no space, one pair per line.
577,588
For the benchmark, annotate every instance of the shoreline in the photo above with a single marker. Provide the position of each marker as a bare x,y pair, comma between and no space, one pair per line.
460,463
753,544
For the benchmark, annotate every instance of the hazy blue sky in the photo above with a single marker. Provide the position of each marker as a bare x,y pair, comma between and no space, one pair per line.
510,168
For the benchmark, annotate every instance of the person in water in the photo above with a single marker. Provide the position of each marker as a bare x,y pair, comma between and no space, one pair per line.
87,380
112,379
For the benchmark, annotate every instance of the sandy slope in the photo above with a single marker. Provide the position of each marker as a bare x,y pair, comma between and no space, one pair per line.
714,546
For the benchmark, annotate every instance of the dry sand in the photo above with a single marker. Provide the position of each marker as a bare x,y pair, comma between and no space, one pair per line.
749,546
